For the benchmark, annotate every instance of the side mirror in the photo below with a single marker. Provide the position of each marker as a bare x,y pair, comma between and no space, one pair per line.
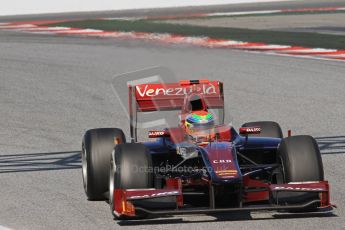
250,130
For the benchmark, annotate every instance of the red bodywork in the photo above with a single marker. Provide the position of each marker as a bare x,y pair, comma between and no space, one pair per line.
124,207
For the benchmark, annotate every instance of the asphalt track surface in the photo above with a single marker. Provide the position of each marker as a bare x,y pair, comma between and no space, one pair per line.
52,89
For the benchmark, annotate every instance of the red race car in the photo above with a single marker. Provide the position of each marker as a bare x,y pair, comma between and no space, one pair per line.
197,162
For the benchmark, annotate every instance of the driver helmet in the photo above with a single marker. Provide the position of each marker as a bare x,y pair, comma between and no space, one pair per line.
199,123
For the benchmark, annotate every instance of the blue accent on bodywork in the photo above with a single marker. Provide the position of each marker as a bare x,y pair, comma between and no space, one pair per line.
265,143
209,167
239,143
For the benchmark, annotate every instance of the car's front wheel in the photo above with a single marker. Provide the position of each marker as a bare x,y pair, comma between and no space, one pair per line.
97,147
130,168
301,161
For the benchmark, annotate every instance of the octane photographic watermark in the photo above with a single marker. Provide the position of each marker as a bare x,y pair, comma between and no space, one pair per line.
158,75
169,169
159,118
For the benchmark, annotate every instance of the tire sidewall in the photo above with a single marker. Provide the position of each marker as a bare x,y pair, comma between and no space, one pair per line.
97,147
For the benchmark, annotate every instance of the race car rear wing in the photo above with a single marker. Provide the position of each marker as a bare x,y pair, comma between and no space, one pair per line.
170,96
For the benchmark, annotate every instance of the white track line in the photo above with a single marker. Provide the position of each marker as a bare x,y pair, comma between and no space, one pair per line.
314,50
47,29
243,13
270,47
125,18
19,26
225,43
296,56
79,31
306,10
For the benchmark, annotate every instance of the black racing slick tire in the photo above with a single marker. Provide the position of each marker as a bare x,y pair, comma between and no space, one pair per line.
97,146
130,168
268,129
133,166
301,161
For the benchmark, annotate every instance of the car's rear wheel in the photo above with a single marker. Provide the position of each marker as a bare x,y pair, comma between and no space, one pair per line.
97,147
130,168
301,161
268,129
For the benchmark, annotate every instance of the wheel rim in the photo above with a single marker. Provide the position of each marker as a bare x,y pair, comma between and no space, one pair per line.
84,167
282,171
111,182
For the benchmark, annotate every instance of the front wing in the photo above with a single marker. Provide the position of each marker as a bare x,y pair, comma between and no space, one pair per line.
169,201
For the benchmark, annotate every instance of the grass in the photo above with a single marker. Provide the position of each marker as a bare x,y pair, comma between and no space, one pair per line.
265,36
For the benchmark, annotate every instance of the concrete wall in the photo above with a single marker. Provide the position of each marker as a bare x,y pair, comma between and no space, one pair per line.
18,7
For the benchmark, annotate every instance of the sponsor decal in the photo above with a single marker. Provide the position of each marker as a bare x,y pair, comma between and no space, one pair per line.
221,161
253,130
226,173
146,91
246,130
154,134
297,188
146,196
